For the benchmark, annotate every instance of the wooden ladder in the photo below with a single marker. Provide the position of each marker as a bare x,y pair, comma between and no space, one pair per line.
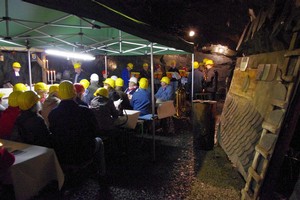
271,128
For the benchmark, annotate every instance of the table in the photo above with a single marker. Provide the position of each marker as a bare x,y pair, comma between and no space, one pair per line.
34,168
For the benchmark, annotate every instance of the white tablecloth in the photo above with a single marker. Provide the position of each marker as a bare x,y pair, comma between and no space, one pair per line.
34,168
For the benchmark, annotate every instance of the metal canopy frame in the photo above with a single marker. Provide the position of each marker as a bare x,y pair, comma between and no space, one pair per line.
27,26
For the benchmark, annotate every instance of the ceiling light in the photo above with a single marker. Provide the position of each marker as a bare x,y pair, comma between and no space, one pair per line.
192,33
68,55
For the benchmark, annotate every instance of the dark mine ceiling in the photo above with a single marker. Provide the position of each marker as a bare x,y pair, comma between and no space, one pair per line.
215,21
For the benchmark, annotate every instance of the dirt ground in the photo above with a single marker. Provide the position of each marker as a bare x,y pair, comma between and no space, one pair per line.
180,171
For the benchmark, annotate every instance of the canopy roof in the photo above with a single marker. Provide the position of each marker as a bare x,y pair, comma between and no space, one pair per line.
25,25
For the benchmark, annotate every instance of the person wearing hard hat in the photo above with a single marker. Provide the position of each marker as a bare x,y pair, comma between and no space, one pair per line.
51,102
79,88
31,125
85,95
14,76
132,86
125,74
211,79
141,99
79,73
91,89
20,87
74,131
105,111
41,89
9,116
125,103
198,79
165,92
175,75
145,72
109,84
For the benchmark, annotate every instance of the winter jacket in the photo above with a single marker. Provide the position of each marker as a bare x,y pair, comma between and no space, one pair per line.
7,121
141,101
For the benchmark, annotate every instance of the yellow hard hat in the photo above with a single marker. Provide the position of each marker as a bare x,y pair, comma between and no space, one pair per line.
173,62
101,92
130,65
20,87
119,82
209,62
145,65
27,99
66,90
85,83
53,88
16,65
143,83
13,98
196,65
41,87
110,82
77,65
1,95
165,79
205,60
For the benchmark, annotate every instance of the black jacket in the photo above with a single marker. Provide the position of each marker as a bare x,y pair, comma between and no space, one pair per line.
74,129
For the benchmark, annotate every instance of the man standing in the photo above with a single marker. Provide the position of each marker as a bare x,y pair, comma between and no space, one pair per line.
15,76
211,79
126,74
175,75
79,73
198,79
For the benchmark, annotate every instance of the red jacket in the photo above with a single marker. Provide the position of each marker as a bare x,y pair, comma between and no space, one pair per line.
7,121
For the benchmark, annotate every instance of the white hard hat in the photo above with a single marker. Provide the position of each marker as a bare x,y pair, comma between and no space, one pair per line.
94,77
114,77
133,79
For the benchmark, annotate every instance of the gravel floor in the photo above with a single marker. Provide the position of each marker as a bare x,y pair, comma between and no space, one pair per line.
180,171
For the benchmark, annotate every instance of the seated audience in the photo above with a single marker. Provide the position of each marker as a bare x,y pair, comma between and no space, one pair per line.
132,87
79,94
165,92
31,125
124,101
141,98
51,102
104,110
20,87
9,116
42,90
74,130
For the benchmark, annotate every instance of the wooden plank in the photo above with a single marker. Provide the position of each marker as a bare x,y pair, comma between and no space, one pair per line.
262,151
270,127
255,175
279,103
295,52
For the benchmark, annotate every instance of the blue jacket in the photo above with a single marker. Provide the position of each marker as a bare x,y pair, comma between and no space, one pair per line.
165,94
125,75
141,101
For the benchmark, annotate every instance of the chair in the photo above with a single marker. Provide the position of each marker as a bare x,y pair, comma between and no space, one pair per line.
164,110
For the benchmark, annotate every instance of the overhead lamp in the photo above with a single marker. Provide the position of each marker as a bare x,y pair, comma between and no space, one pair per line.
79,56
192,33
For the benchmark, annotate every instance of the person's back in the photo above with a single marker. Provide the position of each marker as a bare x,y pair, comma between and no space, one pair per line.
104,110
51,102
31,125
73,128
198,79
